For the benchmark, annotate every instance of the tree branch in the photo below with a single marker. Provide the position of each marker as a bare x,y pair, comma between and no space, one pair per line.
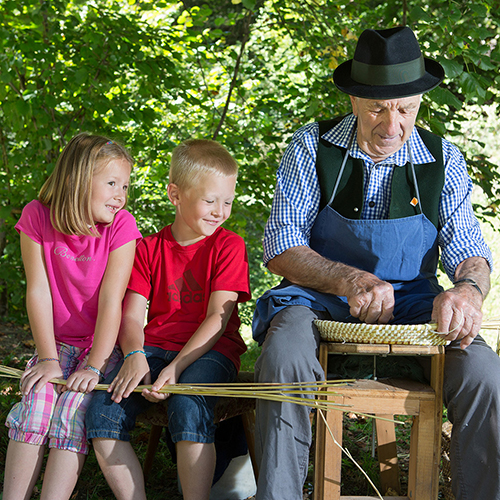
235,75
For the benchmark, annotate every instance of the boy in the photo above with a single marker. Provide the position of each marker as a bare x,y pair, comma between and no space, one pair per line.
193,273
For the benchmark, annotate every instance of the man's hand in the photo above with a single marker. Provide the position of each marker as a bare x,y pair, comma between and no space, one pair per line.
370,299
458,311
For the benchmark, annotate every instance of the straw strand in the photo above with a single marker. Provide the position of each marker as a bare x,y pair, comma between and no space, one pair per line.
284,393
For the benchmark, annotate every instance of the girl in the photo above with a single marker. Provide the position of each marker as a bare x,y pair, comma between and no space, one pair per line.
78,247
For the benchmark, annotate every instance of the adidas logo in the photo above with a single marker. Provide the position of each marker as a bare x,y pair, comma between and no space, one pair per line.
185,290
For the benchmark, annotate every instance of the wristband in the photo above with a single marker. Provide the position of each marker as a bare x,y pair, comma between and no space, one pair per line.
470,282
41,360
134,352
91,368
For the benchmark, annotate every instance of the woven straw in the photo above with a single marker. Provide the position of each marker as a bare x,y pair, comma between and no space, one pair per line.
362,333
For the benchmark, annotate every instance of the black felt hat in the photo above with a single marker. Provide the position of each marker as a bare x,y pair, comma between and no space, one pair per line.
388,64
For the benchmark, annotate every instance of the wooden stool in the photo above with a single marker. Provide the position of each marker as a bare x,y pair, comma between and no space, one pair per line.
385,398
226,407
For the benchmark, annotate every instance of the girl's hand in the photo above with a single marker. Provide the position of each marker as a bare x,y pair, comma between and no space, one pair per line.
168,376
82,381
40,374
135,370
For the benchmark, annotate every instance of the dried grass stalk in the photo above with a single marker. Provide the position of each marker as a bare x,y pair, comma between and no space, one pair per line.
285,393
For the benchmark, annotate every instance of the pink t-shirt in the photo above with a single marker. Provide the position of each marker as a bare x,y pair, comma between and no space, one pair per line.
178,280
75,268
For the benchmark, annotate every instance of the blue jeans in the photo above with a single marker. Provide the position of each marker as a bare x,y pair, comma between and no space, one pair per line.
190,417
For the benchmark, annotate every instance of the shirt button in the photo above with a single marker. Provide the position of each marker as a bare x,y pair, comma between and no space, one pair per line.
371,204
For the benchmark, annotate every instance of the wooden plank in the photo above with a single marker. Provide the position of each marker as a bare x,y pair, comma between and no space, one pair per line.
437,376
421,472
381,406
349,348
372,498
380,349
420,350
333,453
323,357
387,454
390,388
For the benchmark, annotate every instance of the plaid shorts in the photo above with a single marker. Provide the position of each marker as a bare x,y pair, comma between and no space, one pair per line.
58,419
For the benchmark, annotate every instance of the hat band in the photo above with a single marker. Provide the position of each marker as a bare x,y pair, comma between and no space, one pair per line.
394,74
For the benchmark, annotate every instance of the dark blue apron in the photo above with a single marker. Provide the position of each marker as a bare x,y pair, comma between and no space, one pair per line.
402,251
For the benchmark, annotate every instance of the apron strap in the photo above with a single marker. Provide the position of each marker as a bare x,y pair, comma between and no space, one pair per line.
410,158
342,167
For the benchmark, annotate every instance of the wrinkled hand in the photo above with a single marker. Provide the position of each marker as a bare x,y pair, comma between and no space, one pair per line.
135,370
458,311
82,381
40,374
168,376
370,299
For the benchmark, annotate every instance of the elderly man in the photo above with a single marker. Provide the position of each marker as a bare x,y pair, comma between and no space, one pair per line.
361,208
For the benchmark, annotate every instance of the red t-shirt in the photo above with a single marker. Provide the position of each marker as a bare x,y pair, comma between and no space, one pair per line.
178,280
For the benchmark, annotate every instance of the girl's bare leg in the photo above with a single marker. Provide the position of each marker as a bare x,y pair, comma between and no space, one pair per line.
61,474
22,468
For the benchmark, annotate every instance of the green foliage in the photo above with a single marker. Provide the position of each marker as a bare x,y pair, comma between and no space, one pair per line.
247,74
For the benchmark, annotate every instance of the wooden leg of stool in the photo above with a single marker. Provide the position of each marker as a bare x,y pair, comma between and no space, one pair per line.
422,465
154,439
328,456
249,428
387,454
320,437
437,376
319,458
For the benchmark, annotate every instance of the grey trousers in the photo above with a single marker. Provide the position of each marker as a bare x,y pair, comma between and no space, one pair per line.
283,432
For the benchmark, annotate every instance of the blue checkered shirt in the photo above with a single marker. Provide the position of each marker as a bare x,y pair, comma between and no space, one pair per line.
297,196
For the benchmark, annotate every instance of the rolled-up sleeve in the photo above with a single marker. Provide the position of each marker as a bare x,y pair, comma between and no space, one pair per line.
460,236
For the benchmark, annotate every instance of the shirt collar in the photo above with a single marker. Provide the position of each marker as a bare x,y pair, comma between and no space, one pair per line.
340,134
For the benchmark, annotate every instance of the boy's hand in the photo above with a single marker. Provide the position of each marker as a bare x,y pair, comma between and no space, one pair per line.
40,374
135,370
168,376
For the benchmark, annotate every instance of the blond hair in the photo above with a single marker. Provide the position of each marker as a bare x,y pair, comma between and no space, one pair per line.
195,157
68,190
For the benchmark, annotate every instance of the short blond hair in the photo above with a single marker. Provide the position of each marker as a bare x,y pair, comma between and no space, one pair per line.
195,157
68,190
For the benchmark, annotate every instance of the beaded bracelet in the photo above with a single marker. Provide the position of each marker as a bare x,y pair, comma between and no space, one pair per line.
41,360
134,352
94,369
